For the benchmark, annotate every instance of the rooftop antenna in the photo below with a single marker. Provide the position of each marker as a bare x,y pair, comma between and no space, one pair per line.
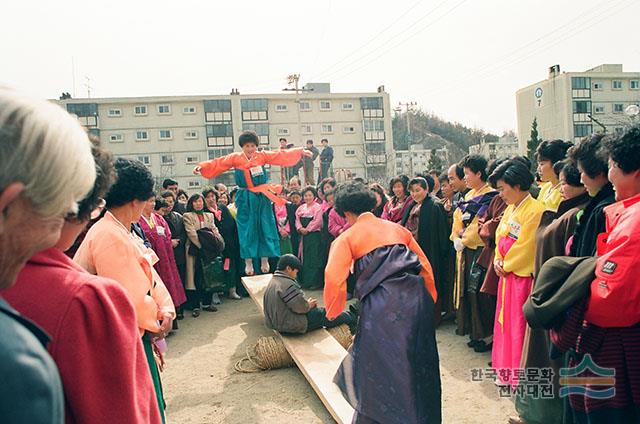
88,85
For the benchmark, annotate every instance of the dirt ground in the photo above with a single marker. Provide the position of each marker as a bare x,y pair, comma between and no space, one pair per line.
202,387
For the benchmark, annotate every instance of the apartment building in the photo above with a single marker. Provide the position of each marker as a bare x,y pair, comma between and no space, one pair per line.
505,147
172,134
416,159
572,105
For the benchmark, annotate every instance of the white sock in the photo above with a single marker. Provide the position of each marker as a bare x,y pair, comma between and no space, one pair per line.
248,266
264,265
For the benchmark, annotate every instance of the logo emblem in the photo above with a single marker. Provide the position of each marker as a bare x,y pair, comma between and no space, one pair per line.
538,92
609,267
602,378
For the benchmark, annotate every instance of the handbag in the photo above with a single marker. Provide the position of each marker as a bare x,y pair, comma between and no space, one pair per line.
213,275
475,277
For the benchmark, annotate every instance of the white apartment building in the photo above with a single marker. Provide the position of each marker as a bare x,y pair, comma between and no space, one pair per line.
416,159
567,105
505,147
172,134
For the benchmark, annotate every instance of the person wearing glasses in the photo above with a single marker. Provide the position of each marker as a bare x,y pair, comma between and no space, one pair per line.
92,323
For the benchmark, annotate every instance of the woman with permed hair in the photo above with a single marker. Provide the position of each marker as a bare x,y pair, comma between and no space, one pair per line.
255,197
514,264
111,250
400,203
391,373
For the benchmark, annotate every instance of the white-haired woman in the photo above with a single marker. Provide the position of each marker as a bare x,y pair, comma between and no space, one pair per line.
46,166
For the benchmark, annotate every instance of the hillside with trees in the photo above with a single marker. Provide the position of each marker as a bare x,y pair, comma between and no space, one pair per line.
434,132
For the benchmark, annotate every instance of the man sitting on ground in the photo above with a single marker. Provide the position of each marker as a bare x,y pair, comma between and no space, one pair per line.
285,307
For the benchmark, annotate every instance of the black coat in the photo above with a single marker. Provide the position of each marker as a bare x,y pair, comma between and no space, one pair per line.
592,223
295,236
176,225
433,238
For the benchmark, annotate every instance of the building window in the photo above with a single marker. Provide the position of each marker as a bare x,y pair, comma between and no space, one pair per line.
599,109
598,86
115,112
217,110
189,110
306,129
82,110
166,159
347,106
618,108
142,135
349,152
374,130
165,135
116,138
262,130
372,107
190,135
190,160
140,110
616,85
325,105
349,129
582,130
219,135
581,106
634,84
580,83
254,109
326,129
305,106
282,108
164,109
283,131
146,160
193,185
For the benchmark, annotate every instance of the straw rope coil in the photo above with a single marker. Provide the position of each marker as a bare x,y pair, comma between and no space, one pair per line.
269,353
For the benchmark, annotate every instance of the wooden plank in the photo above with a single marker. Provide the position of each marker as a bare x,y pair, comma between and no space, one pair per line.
317,354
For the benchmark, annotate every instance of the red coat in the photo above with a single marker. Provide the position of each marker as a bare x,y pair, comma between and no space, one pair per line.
95,340
615,292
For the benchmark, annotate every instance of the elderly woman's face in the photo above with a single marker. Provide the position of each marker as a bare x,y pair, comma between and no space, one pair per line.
23,233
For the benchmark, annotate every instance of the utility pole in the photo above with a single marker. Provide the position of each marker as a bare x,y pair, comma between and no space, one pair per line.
294,80
408,108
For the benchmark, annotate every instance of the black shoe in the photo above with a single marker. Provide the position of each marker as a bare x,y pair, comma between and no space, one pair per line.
180,316
473,343
483,347
195,313
210,308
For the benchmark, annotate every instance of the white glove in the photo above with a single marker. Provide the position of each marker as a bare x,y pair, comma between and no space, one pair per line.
457,244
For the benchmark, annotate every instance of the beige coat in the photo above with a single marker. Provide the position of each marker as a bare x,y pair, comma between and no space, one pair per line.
191,226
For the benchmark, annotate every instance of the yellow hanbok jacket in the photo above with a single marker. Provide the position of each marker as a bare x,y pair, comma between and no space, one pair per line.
550,196
470,237
520,223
